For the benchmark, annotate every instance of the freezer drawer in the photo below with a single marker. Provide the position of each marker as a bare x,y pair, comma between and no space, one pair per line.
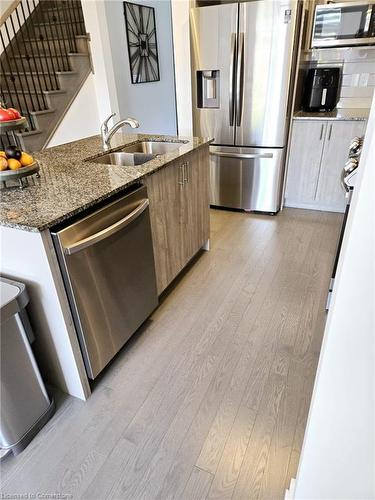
247,178
107,264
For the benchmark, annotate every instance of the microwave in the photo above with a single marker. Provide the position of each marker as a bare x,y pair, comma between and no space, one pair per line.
344,24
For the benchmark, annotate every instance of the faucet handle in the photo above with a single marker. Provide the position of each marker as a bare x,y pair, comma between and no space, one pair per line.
104,126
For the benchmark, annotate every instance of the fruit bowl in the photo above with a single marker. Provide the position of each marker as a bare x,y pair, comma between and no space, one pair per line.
15,124
19,174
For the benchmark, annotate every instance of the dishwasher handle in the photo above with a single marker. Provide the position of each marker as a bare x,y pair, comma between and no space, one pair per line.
108,231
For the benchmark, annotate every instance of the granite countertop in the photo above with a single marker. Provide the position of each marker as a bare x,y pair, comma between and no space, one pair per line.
68,184
337,114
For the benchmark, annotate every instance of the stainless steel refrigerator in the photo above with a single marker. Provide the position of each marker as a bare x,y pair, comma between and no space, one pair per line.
242,62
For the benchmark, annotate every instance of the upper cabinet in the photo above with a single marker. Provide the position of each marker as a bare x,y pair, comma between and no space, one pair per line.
317,155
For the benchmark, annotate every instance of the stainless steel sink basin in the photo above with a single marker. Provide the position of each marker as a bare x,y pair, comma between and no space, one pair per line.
124,159
152,147
137,154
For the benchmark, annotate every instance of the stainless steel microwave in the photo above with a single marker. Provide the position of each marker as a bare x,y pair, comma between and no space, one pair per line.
344,24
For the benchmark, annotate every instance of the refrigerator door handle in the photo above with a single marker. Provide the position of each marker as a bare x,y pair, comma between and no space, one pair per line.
231,78
239,82
247,156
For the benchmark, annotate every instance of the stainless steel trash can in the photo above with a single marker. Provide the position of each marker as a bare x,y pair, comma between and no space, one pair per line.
25,404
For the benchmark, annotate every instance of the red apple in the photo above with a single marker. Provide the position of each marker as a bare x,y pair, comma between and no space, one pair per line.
15,112
11,113
4,115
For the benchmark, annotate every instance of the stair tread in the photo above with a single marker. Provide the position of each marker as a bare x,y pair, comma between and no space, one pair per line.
70,73
28,92
43,112
33,73
39,55
61,7
29,133
38,112
59,22
75,54
48,39
55,9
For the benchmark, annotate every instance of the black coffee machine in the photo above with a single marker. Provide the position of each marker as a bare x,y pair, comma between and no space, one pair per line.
321,89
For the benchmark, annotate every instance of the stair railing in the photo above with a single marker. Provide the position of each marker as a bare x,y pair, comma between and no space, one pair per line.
35,39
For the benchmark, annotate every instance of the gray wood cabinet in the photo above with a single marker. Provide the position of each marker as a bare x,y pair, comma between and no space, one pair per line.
338,137
306,148
179,213
318,151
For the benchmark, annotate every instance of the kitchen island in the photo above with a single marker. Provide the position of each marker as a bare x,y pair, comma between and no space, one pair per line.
73,183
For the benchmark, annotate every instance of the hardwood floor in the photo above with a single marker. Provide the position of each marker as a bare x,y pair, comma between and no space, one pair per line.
210,398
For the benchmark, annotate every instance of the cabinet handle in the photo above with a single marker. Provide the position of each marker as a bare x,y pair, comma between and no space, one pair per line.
321,132
330,132
187,173
181,179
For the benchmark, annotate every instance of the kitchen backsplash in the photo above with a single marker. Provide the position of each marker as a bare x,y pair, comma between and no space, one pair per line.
358,72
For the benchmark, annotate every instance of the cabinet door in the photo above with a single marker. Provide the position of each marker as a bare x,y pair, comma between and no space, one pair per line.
330,195
196,202
165,189
306,148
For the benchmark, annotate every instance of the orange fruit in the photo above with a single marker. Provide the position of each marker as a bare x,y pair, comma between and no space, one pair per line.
2,154
14,164
3,163
26,159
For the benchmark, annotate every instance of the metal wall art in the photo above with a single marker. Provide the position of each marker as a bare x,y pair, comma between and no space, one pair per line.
142,43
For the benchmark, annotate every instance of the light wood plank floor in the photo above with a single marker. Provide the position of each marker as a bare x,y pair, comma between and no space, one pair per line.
210,398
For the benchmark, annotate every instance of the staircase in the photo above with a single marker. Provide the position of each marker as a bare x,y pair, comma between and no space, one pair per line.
44,61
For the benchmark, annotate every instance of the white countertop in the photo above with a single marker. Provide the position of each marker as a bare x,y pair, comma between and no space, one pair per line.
336,114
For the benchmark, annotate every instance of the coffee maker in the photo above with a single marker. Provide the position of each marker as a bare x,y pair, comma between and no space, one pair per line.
321,89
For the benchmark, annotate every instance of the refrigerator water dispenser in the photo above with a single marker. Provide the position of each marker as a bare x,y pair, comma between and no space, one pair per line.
208,89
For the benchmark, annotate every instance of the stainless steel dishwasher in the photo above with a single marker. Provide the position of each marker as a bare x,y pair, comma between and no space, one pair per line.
107,263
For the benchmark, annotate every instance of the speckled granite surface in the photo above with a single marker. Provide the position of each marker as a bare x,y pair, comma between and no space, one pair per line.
68,184
337,114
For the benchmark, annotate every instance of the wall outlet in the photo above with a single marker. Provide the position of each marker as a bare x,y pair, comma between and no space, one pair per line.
363,79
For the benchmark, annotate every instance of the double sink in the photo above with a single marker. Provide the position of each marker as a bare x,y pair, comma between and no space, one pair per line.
138,153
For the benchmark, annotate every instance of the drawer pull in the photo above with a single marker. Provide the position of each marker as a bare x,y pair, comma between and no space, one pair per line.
186,170
181,177
330,132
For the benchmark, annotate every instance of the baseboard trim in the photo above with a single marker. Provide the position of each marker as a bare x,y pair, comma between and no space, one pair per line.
289,493
308,206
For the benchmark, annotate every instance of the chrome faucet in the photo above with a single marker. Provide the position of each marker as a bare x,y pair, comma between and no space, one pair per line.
107,134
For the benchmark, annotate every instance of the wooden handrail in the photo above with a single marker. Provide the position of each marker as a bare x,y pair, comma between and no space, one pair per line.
8,11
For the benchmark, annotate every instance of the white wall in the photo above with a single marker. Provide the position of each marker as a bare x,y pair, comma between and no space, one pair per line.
4,5
181,44
337,459
29,258
81,119
153,104
104,77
